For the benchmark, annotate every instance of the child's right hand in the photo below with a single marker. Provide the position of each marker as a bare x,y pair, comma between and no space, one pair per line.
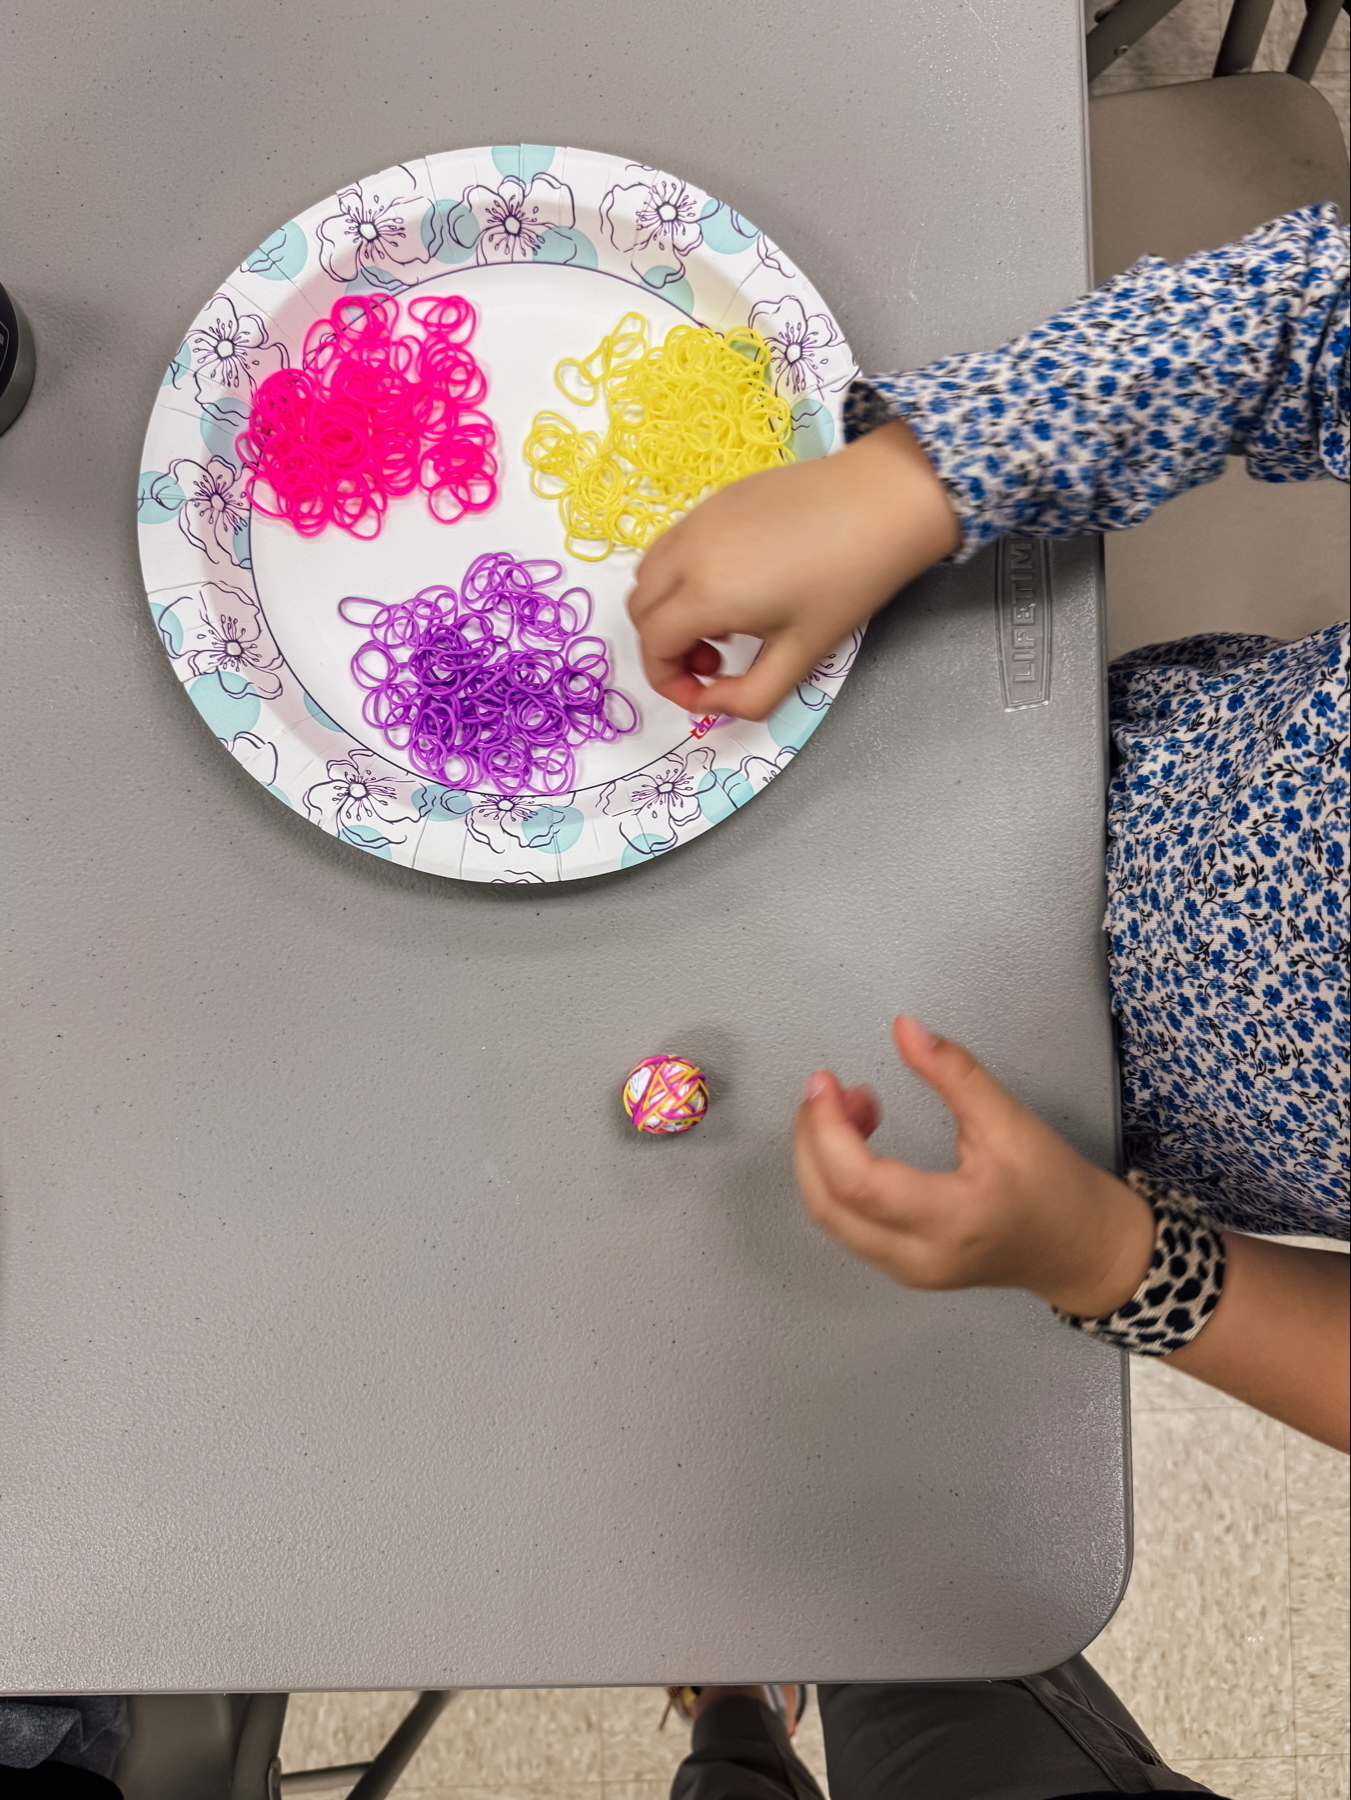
1022,1208
797,557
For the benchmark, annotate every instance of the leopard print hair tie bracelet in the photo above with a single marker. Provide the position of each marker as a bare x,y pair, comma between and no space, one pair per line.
1181,1288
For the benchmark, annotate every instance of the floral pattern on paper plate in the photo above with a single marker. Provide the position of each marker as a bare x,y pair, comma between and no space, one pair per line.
504,823
213,513
364,800
513,219
215,630
655,803
376,231
257,756
655,224
228,353
806,352
441,219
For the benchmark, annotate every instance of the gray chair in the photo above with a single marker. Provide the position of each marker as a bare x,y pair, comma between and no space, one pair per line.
1184,168
1116,26
1178,169
226,1747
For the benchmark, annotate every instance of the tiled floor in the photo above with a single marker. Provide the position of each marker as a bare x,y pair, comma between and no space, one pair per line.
1230,1646
1231,1643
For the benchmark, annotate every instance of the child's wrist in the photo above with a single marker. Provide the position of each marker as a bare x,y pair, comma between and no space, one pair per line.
1117,1238
918,506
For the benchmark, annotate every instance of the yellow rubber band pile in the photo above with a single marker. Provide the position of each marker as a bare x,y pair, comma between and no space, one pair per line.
685,416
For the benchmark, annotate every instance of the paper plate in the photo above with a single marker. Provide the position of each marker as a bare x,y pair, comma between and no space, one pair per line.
552,247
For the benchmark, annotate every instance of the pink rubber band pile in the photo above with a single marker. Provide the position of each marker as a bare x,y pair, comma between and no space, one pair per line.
371,415
492,687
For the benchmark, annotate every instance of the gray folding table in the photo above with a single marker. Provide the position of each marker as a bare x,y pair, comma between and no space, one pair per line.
322,1366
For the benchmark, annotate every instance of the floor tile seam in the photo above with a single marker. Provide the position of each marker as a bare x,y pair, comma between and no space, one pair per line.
542,1789
1295,1710
1289,1589
1175,1753
1254,1761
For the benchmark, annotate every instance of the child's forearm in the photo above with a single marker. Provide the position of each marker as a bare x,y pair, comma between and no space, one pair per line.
1280,1338
1142,389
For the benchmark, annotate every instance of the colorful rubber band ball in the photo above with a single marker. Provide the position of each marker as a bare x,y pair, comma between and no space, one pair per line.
666,1094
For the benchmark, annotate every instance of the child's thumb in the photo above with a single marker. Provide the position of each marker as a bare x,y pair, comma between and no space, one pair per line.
968,1090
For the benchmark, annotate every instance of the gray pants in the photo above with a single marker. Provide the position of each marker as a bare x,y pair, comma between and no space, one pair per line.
1062,1733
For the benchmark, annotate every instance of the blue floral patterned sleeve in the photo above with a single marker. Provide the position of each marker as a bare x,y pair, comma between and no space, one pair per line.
1142,389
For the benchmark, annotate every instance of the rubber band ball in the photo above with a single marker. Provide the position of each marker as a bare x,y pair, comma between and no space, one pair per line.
666,1094
371,415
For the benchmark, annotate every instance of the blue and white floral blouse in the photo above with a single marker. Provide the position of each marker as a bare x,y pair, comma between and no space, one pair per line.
1227,814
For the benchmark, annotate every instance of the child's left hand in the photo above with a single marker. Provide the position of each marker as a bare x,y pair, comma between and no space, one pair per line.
1022,1209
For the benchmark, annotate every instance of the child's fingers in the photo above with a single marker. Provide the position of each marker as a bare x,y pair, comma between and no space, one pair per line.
677,685
887,1192
671,628
968,1090
672,646
704,659
684,686
861,1110
863,1236
657,575
776,671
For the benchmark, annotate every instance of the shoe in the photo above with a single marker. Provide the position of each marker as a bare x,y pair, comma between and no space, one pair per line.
680,1701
